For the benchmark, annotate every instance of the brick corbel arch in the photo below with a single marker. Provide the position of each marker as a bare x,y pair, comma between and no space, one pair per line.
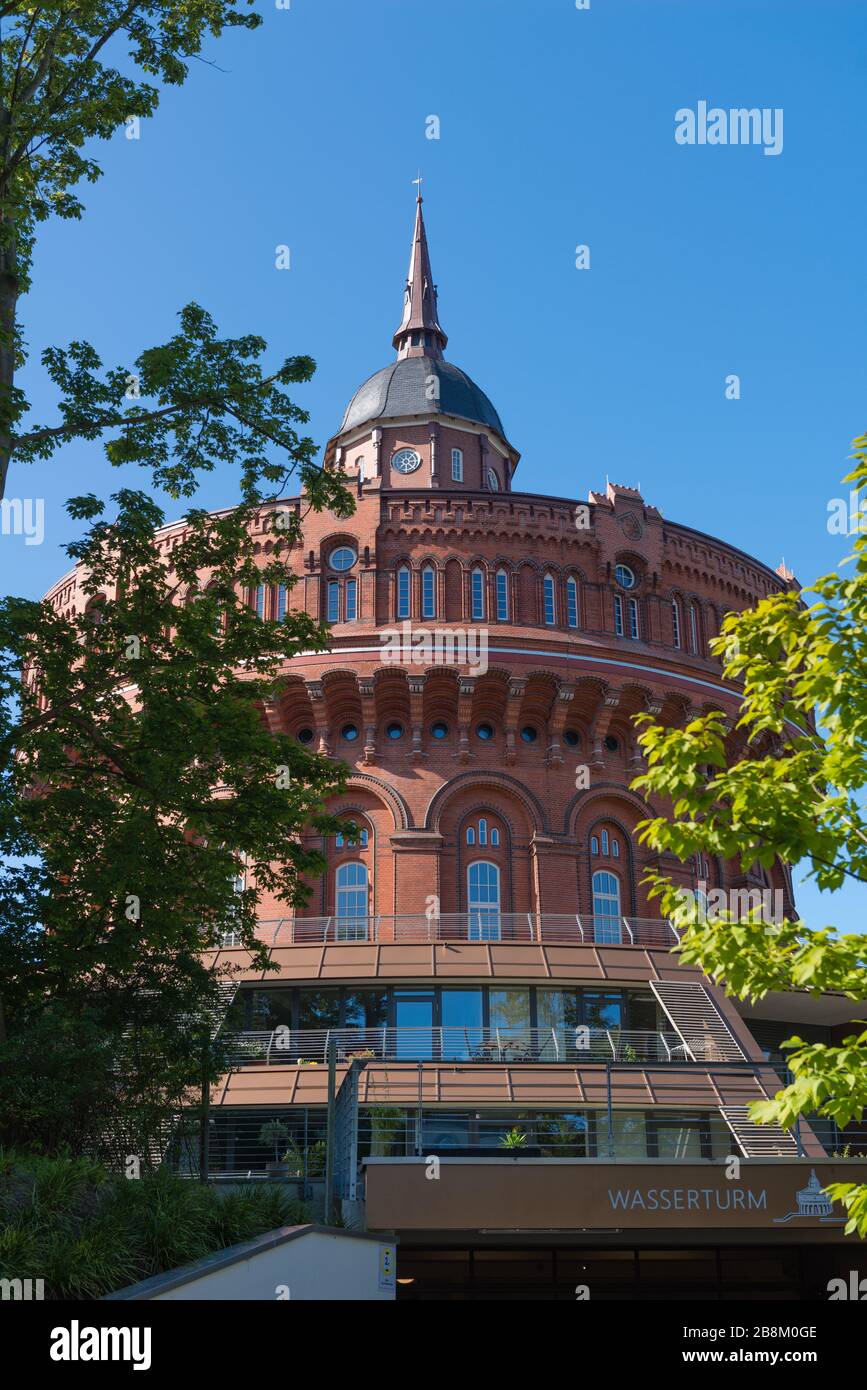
399,809
499,780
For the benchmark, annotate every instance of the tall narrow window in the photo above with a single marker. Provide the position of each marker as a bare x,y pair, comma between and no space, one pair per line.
350,601
403,592
351,898
428,592
572,601
675,622
618,615
607,925
693,630
483,901
632,609
333,610
281,602
550,605
502,596
483,832
260,600
457,465
478,593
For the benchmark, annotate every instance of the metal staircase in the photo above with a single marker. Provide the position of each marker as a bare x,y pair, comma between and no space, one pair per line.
759,1141
695,1017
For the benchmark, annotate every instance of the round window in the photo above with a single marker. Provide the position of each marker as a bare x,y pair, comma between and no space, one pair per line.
625,577
394,730
572,738
484,732
493,481
305,735
529,734
440,729
405,460
343,558
611,743
349,732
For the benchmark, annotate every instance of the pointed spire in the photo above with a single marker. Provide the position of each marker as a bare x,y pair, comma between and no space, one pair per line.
419,334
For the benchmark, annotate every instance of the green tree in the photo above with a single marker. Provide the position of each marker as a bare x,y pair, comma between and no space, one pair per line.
58,95
139,780
793,795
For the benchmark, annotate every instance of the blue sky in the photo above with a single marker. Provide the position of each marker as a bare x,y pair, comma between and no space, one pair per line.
556,128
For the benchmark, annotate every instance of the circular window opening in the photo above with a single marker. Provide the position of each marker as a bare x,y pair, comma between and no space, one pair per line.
625,577
343,558
440,729
493,481
572,738
485,731
394,730
349,732
611,743
405,460
305,735
529,734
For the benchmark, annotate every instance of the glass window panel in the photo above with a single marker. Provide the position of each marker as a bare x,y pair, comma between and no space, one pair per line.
561,1135
478,594
502,596
572,602
630,1134
333,612
603,1009
365,1008
351,601
319,1008
510,1009
403,592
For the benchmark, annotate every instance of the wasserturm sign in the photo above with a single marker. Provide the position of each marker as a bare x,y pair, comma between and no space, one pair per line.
527,1194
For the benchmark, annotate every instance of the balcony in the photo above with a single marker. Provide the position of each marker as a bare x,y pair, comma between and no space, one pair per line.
285,1046
526,928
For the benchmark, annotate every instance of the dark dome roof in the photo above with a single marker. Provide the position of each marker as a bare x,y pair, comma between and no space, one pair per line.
403,389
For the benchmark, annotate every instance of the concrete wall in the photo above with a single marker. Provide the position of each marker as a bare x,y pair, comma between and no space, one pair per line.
297,1263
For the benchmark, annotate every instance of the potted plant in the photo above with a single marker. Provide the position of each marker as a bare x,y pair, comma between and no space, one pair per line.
275,1134
514,1139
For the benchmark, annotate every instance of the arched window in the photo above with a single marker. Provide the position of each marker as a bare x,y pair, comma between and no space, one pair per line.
471,835
693,629
281,602
350,601
493,480
404,591
428,592
550,603
477,594
495,837
259,597
457,465
332,612
359,464
502,596
351,901
483,832
675,623
607,923
632,612
618,615
483,901
572,601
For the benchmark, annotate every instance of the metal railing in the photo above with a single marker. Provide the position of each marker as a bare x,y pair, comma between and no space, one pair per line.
528,927
294,1046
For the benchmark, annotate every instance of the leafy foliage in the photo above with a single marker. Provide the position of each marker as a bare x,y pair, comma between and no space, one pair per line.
65,1220
792,795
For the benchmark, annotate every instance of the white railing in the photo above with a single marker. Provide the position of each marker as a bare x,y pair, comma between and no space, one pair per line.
518,927
297,1046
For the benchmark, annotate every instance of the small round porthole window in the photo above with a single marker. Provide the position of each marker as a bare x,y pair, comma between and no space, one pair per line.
440,729
343,558
611,743
572,737
394,730
305,735
349,732
485,732
529,734
625,576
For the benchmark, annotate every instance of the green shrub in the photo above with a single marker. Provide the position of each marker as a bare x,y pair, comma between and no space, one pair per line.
86,1232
